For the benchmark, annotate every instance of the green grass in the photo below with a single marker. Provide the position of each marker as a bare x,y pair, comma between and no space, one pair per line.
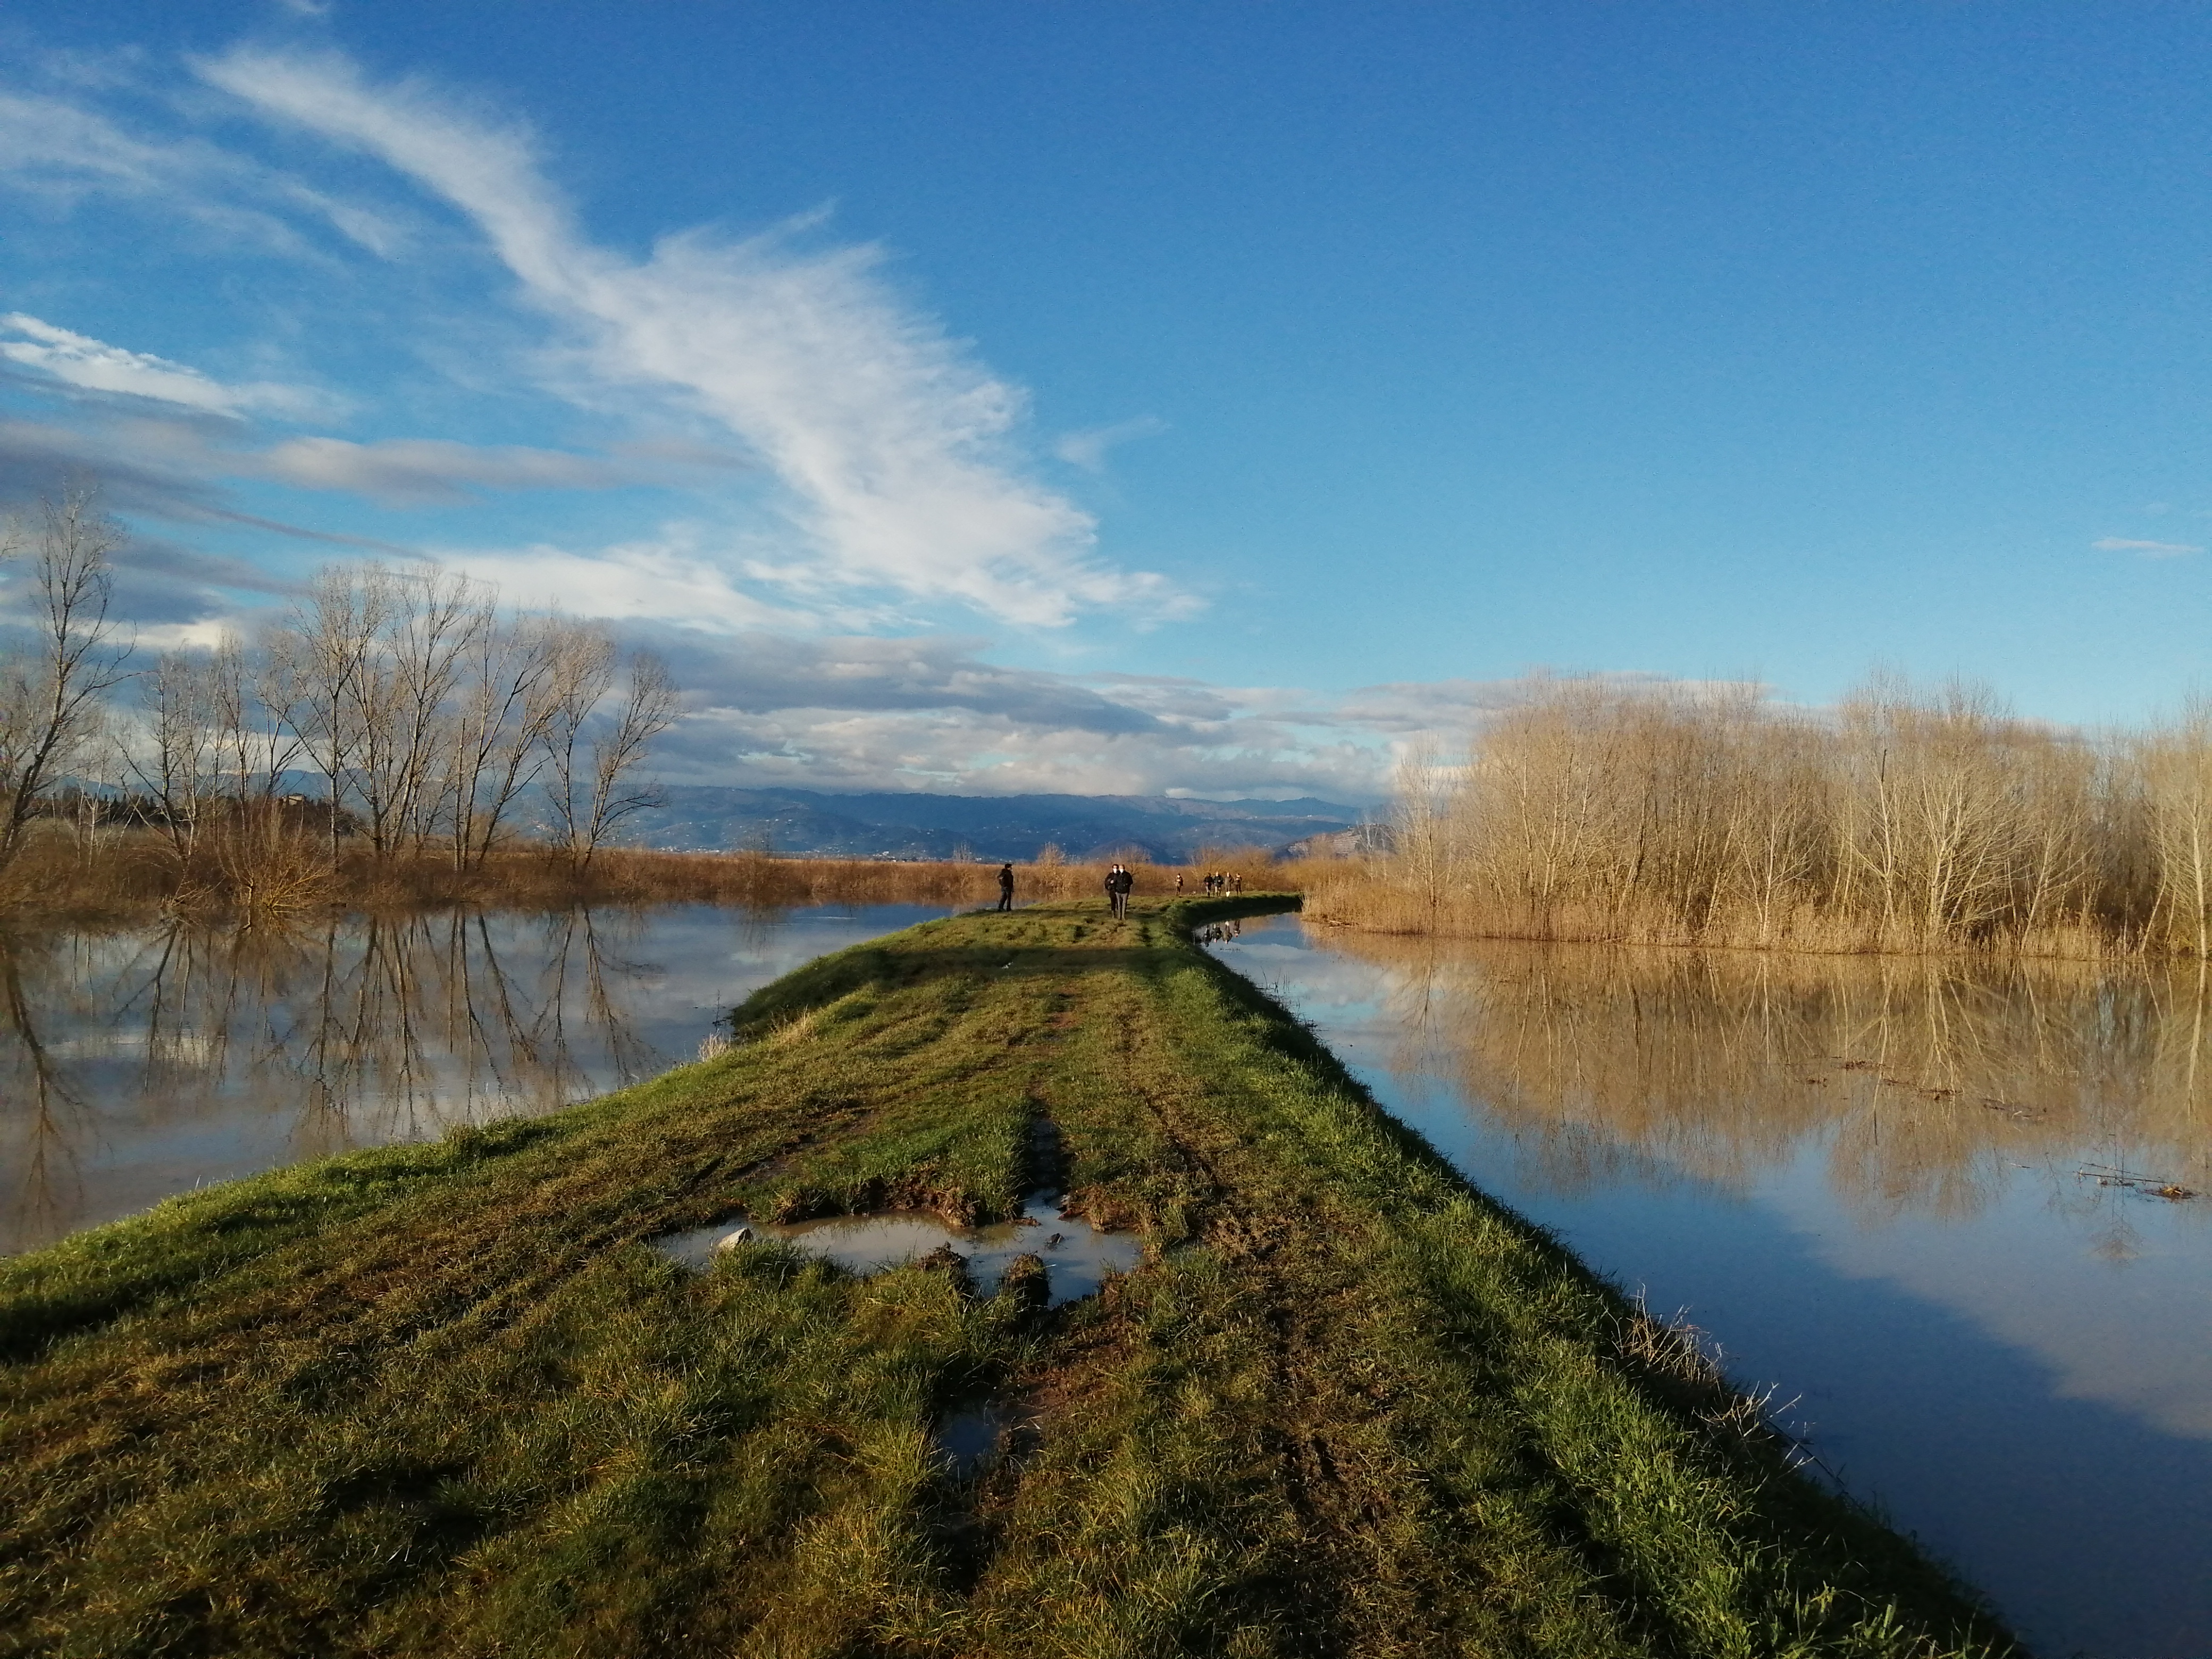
443,1399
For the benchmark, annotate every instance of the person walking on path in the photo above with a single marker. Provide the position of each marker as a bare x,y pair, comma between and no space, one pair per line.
1006,887
1119,883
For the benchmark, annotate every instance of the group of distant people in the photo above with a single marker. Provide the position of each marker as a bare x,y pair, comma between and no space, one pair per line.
1215,881
1121,881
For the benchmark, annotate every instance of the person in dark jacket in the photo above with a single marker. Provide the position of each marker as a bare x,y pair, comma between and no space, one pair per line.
1006,887
1119,886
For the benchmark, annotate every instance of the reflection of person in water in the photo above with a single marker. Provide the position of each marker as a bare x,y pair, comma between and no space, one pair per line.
1006,887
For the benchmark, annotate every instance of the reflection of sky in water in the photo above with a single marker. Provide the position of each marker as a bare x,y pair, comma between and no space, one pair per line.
142,1062
2015,1361
1077,1257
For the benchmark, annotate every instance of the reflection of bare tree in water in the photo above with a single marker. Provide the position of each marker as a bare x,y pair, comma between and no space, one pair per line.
45,1179
430,1020
347,1033
1927,1080
755,925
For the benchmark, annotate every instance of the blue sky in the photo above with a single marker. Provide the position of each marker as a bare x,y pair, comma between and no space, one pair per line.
1128,398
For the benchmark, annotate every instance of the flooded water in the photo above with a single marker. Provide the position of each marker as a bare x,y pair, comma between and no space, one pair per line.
1893,1189
136,1064
1077,1257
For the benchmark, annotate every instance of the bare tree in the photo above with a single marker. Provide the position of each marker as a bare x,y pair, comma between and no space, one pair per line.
441,622
583,672
182,698
509,698
319,666
2175,766
592,760
647,710
1425,831
51,698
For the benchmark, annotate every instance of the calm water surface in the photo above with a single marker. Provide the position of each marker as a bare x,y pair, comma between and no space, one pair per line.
1877,1185
137,1064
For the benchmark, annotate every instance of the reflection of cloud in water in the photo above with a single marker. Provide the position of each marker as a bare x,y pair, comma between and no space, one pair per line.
138,1063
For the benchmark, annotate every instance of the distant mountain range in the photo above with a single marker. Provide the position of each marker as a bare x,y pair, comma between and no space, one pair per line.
704,818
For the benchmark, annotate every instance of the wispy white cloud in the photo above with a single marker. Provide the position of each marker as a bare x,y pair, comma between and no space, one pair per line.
1087,448
79,360
2149,549
59,146
892,442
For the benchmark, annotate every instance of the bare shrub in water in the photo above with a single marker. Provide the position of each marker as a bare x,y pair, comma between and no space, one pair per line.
2173,772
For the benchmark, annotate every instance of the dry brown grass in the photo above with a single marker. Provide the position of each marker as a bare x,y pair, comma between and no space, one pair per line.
263,873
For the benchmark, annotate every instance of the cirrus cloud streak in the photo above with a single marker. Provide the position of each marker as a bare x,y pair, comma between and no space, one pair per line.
892,443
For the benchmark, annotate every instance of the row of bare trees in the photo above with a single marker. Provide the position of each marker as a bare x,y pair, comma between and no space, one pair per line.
437,722
1905,819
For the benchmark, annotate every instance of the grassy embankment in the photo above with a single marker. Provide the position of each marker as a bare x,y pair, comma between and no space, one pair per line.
442,1398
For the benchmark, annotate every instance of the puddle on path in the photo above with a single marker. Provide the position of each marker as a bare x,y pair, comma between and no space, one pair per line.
1078,1256
970,1438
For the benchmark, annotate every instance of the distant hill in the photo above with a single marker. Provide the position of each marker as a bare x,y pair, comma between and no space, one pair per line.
705,818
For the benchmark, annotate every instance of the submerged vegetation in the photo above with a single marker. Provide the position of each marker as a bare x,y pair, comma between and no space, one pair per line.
446,1398
1908,821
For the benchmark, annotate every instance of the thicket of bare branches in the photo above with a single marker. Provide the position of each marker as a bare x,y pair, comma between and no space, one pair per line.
441,728
1910,819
